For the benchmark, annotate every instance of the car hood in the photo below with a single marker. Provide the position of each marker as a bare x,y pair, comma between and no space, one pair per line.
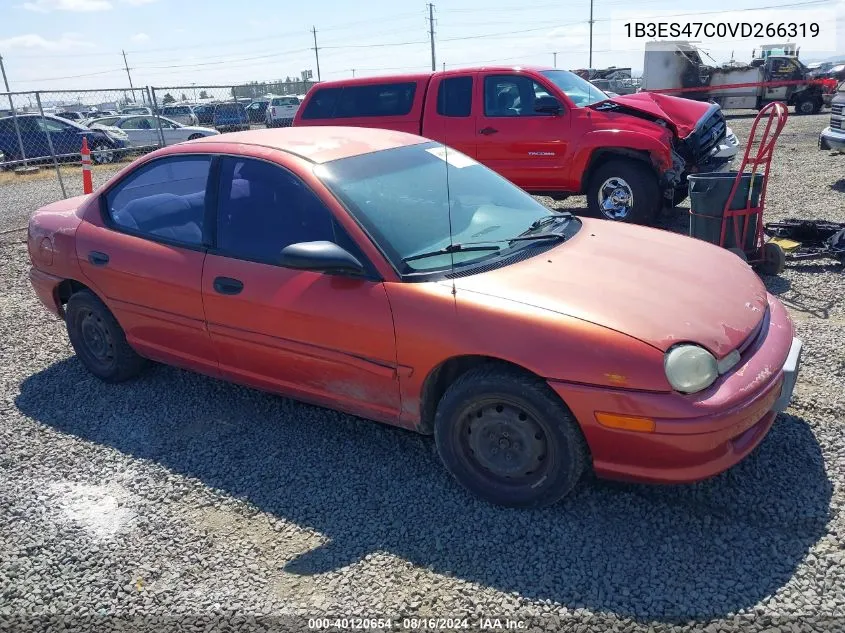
653,285
682,114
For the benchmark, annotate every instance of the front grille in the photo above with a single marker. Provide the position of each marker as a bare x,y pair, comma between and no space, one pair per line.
837,109
710,133
836,124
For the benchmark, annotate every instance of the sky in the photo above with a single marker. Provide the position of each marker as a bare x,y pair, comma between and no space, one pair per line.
76,44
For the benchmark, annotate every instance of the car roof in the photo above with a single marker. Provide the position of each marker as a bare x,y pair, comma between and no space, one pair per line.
318,144
363,81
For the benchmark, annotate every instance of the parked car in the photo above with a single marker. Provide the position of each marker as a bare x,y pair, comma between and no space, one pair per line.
833,136
181,114
547,130
256,110
281,111
205,113
72,116
66,137
142,131
135,110
230,116
474,308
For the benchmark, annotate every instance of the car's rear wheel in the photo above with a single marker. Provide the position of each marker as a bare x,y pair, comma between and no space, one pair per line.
805,106
98,339
508,439
624,191
194,137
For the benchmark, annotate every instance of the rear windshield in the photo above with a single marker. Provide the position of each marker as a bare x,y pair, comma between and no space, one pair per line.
285,101
231,109
394,99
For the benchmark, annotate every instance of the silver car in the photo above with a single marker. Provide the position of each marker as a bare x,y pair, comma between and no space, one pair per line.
143,130
180,113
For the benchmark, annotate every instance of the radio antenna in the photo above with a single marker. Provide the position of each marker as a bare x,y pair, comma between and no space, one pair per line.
449,202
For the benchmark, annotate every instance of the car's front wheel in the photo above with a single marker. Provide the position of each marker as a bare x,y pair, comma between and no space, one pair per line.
101,153
508,439
98,339
624,191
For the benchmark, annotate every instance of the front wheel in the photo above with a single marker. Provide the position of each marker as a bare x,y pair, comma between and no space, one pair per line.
805,106
102,154
625,191
508,439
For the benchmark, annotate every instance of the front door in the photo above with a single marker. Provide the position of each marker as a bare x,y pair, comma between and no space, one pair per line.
141,130
524,146
143,253
322,338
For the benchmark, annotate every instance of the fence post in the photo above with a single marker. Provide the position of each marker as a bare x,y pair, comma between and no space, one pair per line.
50,145
151,92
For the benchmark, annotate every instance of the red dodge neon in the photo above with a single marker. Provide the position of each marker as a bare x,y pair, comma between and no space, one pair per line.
382,274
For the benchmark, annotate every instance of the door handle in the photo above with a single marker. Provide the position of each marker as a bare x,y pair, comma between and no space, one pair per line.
487,131
228,286
96,258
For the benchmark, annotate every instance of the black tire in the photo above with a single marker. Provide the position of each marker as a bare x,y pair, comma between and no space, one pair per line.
774,259
98,339
102,154
638,179
818,104
547,447
194,137
805,106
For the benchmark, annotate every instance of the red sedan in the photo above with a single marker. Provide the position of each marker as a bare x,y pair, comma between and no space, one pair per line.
381,274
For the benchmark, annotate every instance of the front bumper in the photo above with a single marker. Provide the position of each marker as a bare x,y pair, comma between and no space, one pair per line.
832,139
698,436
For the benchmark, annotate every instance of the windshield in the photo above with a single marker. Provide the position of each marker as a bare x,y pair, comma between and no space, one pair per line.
401,199
580,91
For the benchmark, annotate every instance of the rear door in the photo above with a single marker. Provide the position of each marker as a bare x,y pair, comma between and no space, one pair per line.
451,112
143,252
141,130
526,147
324,338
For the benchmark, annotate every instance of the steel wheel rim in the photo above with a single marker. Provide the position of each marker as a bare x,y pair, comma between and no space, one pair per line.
96,339
615,198
504,443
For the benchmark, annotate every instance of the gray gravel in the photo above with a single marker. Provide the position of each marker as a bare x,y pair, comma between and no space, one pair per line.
177,500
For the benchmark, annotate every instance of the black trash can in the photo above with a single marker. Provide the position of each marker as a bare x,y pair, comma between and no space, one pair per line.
708,193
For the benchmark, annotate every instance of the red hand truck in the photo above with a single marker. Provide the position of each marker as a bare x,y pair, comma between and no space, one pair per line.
765,257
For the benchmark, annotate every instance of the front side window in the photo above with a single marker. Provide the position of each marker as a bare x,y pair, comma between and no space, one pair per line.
580,91
54,127
454,97
401,199
163,200
511,95
263,208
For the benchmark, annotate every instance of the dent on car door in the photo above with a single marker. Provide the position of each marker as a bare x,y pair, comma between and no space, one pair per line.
323,338
142,251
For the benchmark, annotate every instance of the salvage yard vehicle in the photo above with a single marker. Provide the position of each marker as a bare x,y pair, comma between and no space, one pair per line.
548,131
143,131
66,138
281,111
677,68
833,136
387,276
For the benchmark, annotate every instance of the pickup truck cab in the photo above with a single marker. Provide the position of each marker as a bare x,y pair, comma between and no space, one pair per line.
548,131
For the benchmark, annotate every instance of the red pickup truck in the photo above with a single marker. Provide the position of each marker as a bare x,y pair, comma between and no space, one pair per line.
548,131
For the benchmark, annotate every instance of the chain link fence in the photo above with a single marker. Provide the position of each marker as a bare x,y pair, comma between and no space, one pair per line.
41,132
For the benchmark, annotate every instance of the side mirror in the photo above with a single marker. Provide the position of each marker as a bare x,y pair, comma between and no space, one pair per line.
325,257
548,105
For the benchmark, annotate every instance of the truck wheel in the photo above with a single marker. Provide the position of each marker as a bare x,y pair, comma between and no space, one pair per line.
805,106
625,191
818,104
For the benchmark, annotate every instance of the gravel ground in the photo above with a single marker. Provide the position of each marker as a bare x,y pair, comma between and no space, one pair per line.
177,501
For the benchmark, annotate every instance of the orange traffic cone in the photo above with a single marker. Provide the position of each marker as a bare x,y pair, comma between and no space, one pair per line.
87,183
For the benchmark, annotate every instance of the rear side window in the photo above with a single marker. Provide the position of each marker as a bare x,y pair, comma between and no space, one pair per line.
454,97
321,104
376,100
163,200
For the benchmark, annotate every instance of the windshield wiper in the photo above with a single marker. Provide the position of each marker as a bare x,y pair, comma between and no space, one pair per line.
453,248
538,236
547,220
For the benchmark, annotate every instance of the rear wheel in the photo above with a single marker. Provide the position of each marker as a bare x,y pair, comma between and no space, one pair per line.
194,137
805,106
98,339
625,191
508,439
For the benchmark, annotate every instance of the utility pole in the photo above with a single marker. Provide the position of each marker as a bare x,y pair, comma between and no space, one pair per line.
554,56
590,65
14,114
126,65
353,73
316,51
431,35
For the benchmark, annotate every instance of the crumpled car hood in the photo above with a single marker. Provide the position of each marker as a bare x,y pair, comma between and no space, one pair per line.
682,114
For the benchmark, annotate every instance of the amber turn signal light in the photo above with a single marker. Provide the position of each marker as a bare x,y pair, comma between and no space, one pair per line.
625,422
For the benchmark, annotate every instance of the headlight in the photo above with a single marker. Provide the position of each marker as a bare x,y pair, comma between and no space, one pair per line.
690,368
